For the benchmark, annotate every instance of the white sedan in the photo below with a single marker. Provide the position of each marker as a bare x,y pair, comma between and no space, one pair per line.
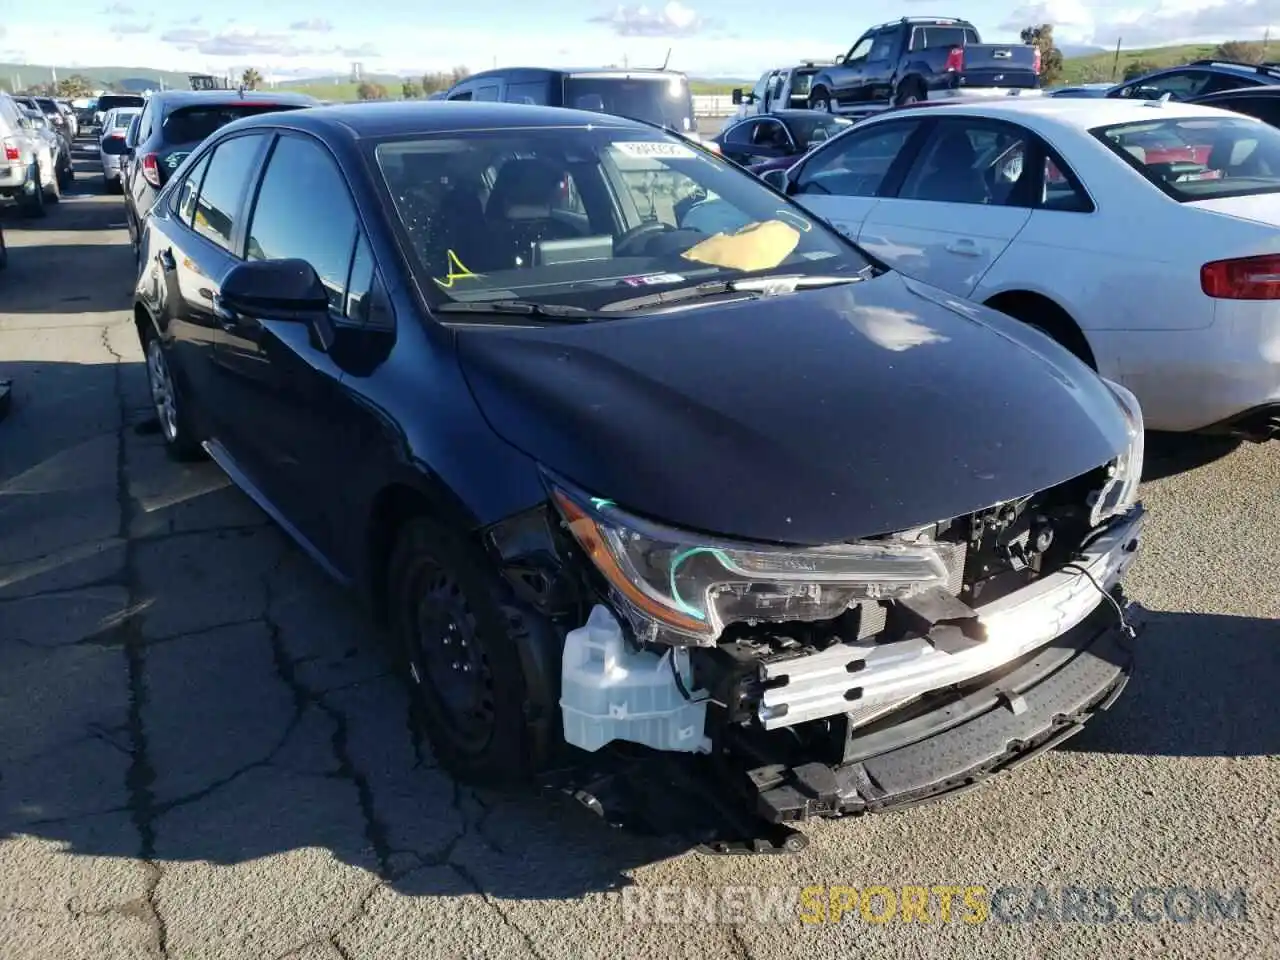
115,126
1140,235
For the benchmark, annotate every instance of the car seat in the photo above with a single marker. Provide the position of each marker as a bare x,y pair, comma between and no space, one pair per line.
954,176
518,214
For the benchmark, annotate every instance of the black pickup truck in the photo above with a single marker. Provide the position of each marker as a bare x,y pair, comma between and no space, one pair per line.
917,58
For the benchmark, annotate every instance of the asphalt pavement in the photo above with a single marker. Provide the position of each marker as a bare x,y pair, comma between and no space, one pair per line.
202,754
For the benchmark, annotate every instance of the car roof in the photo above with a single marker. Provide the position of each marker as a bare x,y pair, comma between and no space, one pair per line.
391,118
1082,113
1215,66
1264,90
185,98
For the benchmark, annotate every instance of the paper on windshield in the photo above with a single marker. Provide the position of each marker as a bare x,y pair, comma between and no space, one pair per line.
757,246
657,150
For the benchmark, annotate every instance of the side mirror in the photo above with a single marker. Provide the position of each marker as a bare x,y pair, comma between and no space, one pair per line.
736,96
776,179
114,147
288,290
839,59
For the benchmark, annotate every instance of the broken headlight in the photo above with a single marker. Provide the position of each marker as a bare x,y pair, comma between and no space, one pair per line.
688,587
1120,492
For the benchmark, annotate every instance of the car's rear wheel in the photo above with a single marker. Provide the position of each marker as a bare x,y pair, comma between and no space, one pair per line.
53,192
821,101
4,251
180,438
457,643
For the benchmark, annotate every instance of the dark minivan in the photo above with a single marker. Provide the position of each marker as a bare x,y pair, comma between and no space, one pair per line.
658,482
653,96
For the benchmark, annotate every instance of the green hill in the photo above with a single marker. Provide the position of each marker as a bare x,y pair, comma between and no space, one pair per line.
1098,67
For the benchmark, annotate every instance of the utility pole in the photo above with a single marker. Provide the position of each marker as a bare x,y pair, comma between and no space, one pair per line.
625,62
1115,64
1266,42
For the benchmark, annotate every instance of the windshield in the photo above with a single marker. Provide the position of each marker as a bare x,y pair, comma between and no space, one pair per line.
1199,158
193,124
585,217
661,99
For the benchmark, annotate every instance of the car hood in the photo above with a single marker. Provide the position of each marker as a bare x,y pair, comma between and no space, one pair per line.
808,418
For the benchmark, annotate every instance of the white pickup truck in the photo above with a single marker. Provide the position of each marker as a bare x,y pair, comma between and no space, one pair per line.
786,88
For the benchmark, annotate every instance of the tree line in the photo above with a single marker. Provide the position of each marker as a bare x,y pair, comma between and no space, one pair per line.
414,88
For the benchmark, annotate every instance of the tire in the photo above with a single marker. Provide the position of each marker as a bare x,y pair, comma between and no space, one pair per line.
180,438
66,178
821,101
908,93
33,203
457,642
54,192
4,252
1049,319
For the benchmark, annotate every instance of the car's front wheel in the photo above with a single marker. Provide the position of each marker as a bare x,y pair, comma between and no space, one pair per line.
821,101
457,643
175,425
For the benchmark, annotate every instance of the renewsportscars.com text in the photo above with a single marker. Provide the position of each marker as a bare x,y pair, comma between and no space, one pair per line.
934,904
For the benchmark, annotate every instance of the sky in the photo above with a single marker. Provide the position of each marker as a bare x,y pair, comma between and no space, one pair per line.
738,38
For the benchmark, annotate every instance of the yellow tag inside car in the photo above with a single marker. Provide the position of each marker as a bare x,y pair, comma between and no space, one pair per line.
757,246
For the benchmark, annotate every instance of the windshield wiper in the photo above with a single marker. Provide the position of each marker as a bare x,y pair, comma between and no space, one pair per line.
543,311
759,286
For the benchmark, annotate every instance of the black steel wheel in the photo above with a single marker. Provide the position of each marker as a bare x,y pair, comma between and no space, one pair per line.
457,644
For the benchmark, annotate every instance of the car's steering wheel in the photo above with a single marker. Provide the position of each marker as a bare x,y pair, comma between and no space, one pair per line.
635,234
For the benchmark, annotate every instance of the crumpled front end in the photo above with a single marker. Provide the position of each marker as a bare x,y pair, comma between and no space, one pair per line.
800,665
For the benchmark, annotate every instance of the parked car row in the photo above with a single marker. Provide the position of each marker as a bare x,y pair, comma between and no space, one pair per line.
36,165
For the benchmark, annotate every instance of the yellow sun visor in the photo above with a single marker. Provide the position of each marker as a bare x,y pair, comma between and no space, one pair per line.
757,246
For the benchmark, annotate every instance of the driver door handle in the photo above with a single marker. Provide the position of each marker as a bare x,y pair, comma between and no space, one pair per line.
228,318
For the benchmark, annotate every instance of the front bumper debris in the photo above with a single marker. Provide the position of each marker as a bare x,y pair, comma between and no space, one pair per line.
866,681
994,723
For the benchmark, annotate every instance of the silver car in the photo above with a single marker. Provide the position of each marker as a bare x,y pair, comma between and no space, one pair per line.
28,172
59,149
115,125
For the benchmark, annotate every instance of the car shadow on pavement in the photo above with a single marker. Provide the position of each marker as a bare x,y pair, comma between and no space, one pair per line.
179,683
1168,454
1204,685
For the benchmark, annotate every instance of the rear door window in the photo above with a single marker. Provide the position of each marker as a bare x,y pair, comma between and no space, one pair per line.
534,92
1266,109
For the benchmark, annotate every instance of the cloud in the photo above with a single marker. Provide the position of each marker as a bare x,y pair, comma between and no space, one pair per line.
130,29
237,42
185,38
672,20
1168,21
315,24
119,10
363,50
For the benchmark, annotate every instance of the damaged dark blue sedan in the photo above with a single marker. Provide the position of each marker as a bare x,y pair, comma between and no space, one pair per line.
666,494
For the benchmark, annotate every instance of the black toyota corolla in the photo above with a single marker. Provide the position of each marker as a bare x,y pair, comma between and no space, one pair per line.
666,494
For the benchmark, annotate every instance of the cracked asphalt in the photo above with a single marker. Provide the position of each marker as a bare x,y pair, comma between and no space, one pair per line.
202,754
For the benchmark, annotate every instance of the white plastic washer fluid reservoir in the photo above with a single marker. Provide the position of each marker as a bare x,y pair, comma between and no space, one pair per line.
609,691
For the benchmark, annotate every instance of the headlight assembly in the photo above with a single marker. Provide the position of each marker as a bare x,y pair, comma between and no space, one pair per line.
689,587
1120,492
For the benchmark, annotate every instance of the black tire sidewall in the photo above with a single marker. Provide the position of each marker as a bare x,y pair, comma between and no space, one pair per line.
185,447
513,752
